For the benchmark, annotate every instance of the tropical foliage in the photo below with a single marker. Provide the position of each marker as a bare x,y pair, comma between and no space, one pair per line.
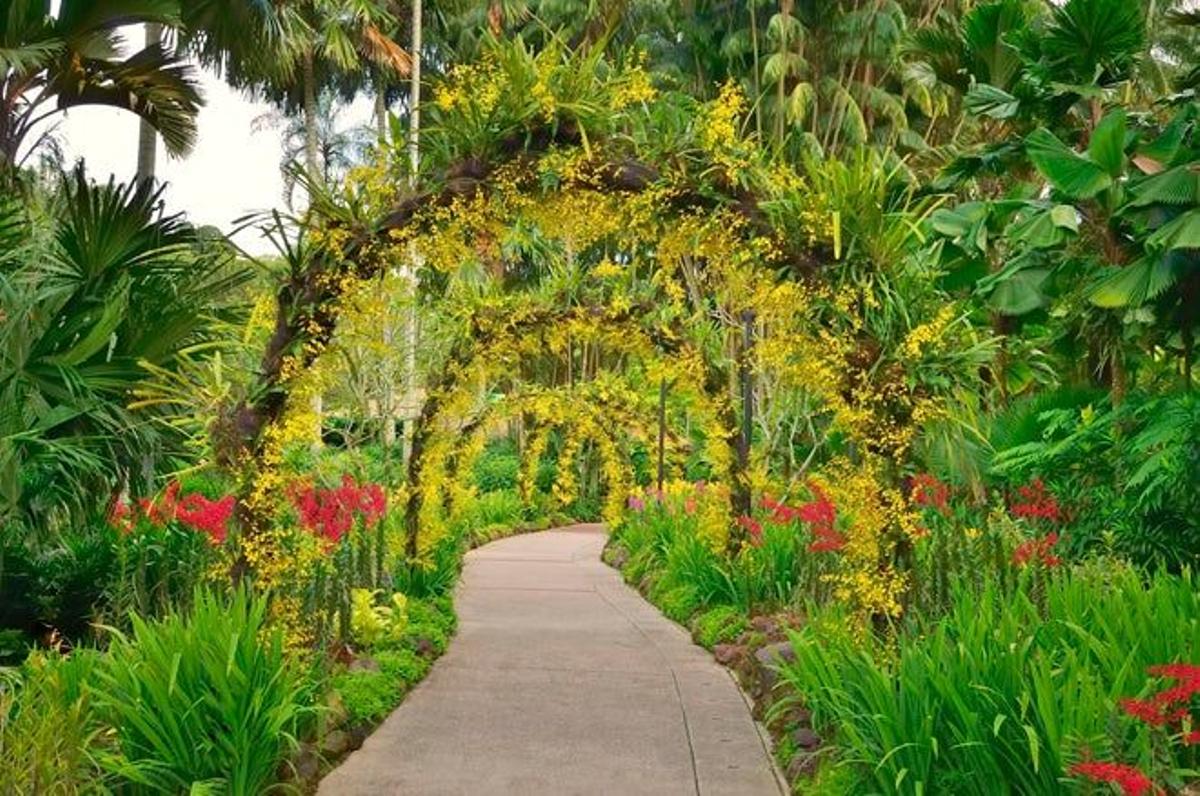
868,327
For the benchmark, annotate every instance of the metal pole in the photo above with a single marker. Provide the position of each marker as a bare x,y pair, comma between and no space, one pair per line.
742,498
662,430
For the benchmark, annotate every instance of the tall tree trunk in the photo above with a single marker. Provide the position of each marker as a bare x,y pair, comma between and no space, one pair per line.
311,146
414,256
147,136
1187,321
758,97
785,14
313,166
381,108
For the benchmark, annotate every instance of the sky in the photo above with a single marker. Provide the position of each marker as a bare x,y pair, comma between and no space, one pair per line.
233,169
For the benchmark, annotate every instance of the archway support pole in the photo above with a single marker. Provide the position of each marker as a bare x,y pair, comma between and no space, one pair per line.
741,497
662,431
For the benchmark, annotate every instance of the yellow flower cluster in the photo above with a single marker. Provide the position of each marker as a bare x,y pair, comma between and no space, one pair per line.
926,337
876,518
470,87
634,89
719,128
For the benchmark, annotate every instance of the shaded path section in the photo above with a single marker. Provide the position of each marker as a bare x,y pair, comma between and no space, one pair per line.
562,680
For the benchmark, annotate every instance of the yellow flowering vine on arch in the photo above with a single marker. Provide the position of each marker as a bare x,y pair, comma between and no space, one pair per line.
695,212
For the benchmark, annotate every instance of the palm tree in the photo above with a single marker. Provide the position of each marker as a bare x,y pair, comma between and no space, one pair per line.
52,62
328,45
111,290
339,148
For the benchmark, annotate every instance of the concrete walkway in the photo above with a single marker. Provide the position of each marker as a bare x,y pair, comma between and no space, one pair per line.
562,680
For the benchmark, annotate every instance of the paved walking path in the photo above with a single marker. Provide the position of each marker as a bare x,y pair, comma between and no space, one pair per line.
562,680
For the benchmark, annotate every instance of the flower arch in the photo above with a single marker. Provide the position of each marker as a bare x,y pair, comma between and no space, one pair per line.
686,210
454,419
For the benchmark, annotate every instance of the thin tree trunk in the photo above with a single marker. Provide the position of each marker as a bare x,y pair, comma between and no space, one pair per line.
311,146
381,108
758,97
785,13
313,167
414,256
147,151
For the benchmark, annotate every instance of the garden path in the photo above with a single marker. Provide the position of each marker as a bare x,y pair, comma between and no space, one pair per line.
562,680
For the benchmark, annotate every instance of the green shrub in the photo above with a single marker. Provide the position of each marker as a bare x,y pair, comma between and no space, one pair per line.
719,625
14,646
47,725
60,581
677,602
503,508
437,612
432,577
499,467
368,696
200,699
489,533
402,665
420,636
1009,687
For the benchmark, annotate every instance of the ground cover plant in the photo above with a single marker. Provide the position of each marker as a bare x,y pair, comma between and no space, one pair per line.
868,329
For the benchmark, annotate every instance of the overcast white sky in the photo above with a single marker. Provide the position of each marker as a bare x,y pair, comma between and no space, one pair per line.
232,170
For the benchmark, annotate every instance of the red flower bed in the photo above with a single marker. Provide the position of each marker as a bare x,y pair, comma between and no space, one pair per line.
1130,780
1036,503
331,513
1040,551
193,510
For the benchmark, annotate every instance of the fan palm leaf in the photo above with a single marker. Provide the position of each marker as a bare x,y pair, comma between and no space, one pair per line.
116,291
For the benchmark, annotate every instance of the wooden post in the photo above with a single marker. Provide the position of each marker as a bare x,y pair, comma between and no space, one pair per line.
662,431
741,486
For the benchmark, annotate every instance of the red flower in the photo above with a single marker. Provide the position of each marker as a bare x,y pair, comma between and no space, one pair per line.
1170,705
821,514
1176,671
1037,550
1191,738
753,529
1131,780
782,515
820,511
928,491
120,516
330,513
1144,710
161,511
209,516
1036,503
827,540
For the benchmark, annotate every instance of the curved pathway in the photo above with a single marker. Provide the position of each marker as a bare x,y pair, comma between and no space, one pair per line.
562,680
